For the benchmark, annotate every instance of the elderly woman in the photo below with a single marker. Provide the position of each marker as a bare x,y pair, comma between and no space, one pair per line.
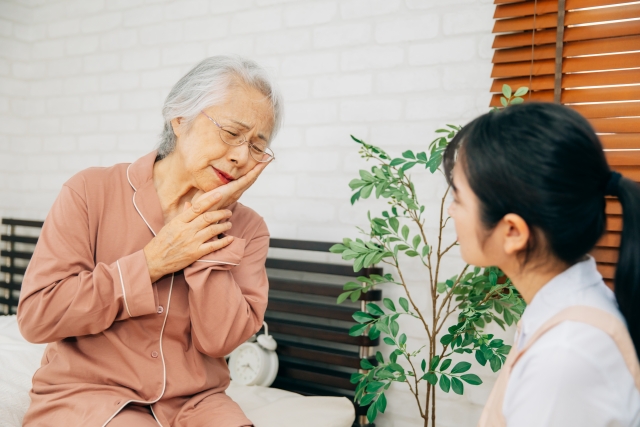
147,274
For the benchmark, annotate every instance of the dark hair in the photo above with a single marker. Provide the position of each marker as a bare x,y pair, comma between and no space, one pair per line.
545,163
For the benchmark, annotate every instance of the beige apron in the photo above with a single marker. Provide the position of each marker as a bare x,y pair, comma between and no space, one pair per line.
492,414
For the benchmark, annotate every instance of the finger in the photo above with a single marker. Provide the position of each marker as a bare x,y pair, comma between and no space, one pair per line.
187,205
213,230
212,217
207,248
201,205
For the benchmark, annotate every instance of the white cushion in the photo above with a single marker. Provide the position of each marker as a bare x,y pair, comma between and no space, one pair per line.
266,407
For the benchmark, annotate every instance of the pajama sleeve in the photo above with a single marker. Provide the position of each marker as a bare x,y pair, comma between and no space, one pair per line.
65,293
228,292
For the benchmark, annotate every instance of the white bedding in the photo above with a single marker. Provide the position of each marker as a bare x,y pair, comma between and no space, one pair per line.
266,407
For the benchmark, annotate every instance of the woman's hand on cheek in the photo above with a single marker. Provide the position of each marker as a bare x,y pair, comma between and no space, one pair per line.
231,192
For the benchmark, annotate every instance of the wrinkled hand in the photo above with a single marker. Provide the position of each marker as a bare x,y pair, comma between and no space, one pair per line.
231,192
185,238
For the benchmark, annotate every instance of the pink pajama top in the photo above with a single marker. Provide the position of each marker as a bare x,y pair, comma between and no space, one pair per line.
116,338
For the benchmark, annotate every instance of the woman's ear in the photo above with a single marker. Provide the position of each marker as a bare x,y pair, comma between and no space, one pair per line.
516,233
176,124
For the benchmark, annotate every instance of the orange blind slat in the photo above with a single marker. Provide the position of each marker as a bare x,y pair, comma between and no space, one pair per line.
594,63
621,140
617,125
600,46
604,78
604,94
603,14
615,109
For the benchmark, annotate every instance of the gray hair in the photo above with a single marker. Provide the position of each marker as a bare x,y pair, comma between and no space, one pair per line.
206,85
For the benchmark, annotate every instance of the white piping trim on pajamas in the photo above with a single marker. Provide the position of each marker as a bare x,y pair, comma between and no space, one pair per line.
133,199
164,365
124,294
216,262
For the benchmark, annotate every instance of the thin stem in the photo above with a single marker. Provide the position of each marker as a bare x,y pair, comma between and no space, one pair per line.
413,304
415,378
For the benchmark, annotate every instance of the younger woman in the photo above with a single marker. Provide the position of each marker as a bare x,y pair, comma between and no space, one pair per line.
529,197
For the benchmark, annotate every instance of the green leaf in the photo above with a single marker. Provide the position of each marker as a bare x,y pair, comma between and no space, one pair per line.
431,377
411,253
397,161
357,330
472,379
422,156
366,191
394,328
381,403
408,166
457,386
425,250
516,101
359,141
508,317
405,232
409,155
506,91
389,341
372,412
505,349
375,309
416,241
362,317
495,363
403,339
343,296
337,248
446,339
461,367
434,363
389,304
503,101
445,383
365,364
521,91
356,183
404,303
374,386
445,364
351,286
423,365
356,377
480,358
394,223
367,398
355,197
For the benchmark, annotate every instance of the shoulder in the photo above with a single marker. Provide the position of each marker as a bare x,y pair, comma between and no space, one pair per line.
248,222
89,180
572,365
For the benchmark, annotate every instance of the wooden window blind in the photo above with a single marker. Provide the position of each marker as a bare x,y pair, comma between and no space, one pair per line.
584,54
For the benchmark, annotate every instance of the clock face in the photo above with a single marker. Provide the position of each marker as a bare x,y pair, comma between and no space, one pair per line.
246,364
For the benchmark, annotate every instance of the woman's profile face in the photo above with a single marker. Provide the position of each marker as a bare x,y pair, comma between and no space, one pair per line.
208,161
475,243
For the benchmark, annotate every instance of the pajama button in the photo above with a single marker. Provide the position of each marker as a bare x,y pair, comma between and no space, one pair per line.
154,354
160,309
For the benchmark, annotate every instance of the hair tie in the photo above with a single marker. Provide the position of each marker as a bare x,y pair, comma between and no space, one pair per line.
613,184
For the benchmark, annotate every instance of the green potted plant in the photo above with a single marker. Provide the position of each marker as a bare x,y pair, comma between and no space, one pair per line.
444,359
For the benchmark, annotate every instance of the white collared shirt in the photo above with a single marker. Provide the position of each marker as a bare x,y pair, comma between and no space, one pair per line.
574,375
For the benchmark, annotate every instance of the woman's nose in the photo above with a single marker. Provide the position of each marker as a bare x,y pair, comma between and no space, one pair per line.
239,154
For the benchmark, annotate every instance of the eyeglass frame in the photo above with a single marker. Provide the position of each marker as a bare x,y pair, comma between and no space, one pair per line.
244,139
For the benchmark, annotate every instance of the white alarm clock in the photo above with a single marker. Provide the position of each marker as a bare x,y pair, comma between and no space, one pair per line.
255,363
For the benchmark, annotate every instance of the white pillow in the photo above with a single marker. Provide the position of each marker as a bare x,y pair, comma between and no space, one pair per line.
266,407
19,359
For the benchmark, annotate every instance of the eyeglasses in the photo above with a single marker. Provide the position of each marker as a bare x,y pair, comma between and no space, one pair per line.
232,136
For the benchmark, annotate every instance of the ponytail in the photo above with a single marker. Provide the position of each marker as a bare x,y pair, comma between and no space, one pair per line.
627,280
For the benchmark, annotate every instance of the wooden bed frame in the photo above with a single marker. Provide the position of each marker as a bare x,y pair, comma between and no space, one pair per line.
316,353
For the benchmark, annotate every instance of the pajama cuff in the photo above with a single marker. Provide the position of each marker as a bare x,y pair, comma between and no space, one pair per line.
137,289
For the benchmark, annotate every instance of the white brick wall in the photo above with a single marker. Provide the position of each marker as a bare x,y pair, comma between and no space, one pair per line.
82,84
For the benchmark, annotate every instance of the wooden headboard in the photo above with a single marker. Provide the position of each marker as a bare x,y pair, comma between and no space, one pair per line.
317,355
